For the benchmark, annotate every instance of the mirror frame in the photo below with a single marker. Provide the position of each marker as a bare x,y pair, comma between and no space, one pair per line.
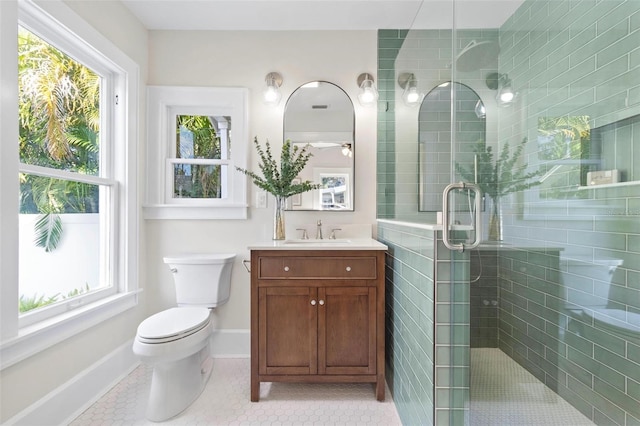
426,200
324,169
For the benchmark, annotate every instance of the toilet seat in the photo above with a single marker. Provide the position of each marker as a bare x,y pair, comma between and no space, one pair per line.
173,324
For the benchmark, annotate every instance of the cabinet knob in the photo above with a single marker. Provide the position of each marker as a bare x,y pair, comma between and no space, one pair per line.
348,268
313,302
321,302
286,269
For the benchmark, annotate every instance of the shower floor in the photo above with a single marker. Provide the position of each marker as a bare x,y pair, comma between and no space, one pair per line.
504,393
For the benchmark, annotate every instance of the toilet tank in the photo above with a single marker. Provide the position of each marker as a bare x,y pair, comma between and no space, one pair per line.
201,279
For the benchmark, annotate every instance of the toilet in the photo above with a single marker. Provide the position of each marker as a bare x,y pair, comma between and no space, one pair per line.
596,309
176,341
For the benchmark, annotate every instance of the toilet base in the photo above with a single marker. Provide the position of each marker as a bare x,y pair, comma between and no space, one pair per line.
176,385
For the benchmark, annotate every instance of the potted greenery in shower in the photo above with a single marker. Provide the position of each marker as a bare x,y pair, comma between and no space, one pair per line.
278,179
499,177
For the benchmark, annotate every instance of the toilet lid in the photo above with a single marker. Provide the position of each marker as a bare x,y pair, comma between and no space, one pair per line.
173,322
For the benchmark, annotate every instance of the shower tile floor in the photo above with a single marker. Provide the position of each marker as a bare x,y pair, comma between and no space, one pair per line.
502,393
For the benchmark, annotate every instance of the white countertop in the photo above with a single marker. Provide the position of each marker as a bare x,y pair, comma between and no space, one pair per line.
326,244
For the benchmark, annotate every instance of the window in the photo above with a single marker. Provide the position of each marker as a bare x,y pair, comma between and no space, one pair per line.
197,138
200,161
76,217
66,186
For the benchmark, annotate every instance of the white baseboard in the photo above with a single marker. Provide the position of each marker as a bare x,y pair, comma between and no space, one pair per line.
65,403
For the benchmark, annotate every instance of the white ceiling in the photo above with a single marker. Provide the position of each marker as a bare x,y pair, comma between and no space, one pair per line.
318,14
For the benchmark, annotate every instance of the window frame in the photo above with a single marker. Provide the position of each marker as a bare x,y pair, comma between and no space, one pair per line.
164,104
26,335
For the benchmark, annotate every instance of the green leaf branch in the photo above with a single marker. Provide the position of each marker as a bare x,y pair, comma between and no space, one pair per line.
277,179
502,176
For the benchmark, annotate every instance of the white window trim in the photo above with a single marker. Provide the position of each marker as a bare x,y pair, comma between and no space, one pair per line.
18,343
163,103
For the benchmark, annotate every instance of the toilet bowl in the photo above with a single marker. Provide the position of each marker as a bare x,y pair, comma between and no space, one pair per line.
623,324
599,307
176,342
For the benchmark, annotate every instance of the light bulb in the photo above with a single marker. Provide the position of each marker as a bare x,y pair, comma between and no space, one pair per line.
507,95
368,95
271,94
411,96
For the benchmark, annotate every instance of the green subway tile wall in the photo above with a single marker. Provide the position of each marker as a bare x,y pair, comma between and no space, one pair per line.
427,365
569,312
389,44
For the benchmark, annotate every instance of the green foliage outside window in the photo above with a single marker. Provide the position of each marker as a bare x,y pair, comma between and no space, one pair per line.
59,118
59,123
197,180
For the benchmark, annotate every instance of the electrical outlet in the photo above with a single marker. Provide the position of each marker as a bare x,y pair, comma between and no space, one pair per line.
261,200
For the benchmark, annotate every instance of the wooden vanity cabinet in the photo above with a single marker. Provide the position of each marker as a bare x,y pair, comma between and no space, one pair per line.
317,316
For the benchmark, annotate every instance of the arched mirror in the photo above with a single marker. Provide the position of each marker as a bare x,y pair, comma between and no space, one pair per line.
435,148
321,114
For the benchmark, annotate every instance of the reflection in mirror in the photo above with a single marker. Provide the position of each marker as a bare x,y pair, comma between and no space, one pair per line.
321,114
435,148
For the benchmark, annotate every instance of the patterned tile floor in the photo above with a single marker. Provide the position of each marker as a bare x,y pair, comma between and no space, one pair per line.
225,401
504,393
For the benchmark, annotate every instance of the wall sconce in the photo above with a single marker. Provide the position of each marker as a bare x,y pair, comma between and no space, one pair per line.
502,83
411,96
368,95
271,94
346,150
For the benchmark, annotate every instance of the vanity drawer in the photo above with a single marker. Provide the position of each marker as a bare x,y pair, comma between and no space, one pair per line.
318,267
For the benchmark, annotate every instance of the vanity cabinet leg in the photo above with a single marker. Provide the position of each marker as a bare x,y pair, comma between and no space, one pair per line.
255,389
380,390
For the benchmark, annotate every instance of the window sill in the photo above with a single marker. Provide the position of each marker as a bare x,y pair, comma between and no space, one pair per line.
171,211
38,337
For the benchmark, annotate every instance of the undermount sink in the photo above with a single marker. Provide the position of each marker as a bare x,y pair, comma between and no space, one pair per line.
316,242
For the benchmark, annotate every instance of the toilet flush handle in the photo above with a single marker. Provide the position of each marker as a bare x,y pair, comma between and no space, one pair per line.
174,270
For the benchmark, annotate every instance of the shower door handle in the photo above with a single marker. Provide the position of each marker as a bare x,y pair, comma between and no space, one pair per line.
476,216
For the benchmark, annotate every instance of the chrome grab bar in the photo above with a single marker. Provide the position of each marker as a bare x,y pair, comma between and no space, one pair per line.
445,216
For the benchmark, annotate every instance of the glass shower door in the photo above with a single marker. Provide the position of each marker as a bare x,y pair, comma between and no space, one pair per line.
553,308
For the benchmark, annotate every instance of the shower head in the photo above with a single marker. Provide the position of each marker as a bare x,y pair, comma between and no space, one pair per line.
477,55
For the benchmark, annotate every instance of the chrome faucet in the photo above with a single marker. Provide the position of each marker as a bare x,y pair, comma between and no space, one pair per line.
333,233
319,230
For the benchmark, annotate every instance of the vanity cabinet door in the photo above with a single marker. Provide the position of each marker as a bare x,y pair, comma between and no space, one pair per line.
288,318
347,330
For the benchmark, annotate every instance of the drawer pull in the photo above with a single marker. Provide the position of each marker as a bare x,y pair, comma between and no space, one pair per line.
348,268
313,302
321,302
286,269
